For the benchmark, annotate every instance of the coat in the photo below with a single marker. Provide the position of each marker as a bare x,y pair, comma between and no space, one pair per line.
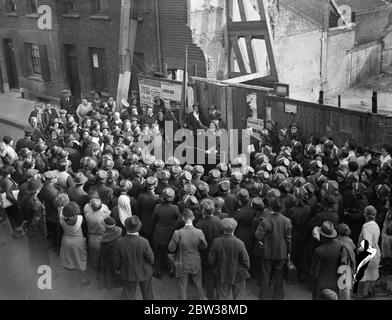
192,240
78,195
147,202
324,267
230,260
69,105
164,219
230,205
371,233
274,232
245,217
108,276
105,193
48,196
133,258
210,225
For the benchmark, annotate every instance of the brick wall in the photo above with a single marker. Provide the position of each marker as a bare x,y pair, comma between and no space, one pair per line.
22,28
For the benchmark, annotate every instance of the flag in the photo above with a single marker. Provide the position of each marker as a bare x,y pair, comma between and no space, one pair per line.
184,94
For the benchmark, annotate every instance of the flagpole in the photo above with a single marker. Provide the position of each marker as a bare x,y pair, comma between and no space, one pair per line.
184,98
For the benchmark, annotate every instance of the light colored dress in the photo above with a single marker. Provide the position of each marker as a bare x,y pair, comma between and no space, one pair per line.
73,252
386,241
82,110
96,229
371,233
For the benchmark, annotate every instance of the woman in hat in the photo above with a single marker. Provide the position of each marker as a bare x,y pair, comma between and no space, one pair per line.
164,216
73,252
108,277
371,233
95,213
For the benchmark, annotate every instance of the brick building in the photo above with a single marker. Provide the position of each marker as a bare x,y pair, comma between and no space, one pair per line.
81,50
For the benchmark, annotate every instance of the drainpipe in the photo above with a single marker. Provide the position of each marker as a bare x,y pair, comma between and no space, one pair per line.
158,35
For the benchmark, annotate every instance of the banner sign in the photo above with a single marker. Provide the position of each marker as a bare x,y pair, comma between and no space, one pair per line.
167,90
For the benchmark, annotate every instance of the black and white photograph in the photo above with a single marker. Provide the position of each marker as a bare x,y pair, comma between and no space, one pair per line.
214,151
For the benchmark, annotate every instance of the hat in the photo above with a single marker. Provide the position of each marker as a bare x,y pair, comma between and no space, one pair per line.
133,224
224,185
263,175
71,209
286,185
6,170
62,111
7,139
151,182
31,173
243,194
158,163
383,189
203,186
163,175
134,119
189,188
101,175
28,131
186,175
188,168
309,187
299,181
34,185
370,211
80,179
125,103
257,203
327,230
198,169
110,223
176,170
215,174
228,224
273,193
51,175
266,167
223,167
125,185
300,193
66,91
236,176
168,194
190,200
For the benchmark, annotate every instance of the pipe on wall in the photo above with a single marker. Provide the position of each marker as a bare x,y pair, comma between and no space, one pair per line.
158,25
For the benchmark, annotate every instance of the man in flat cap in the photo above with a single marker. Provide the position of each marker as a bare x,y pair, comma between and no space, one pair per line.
230,260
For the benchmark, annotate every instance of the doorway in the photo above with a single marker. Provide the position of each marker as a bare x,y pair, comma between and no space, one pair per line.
72,70
98,69
10,64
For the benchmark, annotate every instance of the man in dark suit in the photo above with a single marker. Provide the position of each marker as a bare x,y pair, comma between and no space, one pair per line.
133,261
228,256
68,102
172,114
325,261
196,119
48,196
274,234
210,225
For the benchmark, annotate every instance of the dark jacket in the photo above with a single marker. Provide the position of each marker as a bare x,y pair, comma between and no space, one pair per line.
134,258
164,219
210,225
230,205
48,196
78,195
24,143
69,105
147,202
275,233
105,193
324,267
230,260
245,217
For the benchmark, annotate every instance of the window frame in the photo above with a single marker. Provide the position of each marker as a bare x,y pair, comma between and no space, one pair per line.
35,59
66,6
99,7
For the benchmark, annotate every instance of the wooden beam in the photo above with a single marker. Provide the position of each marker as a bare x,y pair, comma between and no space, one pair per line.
248,27
242,9
230,6
251,55
248,77
238,54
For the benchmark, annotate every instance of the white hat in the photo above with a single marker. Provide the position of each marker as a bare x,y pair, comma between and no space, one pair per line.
125,103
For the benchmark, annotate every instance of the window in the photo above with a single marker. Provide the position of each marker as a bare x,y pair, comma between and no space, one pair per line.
99,6
69,6
11,6
33,6
36,63
35,59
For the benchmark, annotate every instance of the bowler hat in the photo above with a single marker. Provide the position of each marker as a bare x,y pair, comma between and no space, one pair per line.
133,224
228,224
327,230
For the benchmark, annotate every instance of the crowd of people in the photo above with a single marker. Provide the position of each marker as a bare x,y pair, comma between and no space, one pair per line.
80,182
